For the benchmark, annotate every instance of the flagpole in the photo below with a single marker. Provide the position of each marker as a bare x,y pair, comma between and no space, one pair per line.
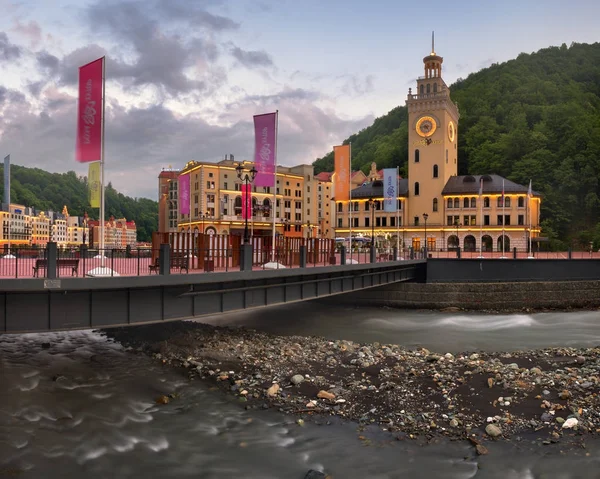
397,213
102,213
529,196
274,208
350,194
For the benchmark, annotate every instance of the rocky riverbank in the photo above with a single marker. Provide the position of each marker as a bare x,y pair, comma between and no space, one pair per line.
551,395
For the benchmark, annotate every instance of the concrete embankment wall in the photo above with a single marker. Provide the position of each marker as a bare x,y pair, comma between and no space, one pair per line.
479,296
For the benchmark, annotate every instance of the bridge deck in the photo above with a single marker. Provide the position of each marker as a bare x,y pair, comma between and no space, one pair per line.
28,305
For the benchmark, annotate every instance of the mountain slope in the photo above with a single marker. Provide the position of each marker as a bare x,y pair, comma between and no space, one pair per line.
51,191
535,117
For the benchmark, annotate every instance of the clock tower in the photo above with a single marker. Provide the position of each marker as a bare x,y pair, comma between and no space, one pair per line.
432,144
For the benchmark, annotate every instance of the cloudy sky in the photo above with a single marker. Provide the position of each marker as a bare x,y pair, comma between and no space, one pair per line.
184,77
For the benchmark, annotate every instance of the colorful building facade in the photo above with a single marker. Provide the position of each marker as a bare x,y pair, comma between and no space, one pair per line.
436,206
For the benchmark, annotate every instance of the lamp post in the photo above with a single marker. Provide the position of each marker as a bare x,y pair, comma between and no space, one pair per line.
425,216
457,224
247,176
372,208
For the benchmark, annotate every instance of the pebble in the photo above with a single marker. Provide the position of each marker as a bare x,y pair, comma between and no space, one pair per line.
325,395
453,423
570,423
297,379
273,390
493,430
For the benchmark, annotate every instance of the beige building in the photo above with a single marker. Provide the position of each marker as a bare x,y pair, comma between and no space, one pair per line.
449,206
216,201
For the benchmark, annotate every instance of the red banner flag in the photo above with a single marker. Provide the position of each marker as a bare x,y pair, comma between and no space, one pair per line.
90,111
265,148
184,193
246,202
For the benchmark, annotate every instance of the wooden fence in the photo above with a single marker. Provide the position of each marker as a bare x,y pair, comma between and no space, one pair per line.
223,251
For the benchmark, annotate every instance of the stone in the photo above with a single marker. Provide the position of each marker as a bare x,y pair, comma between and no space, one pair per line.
297,379
564,394
481,450
273,390
312,474
453,423
580,359
326,395
536,371
560,420
570,423
493,430
162,400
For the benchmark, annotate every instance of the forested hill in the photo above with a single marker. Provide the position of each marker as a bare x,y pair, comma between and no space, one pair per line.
51,191
537,116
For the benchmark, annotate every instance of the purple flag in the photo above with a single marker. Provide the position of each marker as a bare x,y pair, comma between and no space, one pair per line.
265,147
184,194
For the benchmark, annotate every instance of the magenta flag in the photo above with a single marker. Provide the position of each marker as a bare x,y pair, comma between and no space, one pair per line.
184,194
265,148
89,112
246,202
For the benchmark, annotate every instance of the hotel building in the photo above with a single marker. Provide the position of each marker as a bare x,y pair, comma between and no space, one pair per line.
433,197
300,201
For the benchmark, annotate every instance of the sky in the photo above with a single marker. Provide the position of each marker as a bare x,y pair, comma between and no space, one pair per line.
185,77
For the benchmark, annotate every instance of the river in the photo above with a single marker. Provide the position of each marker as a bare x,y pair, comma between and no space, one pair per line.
76,404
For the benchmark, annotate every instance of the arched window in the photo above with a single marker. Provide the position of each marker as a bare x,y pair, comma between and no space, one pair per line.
428,88
521,202
507,201
435,171
466,203
499,202
340,208
237,205
435,204
416,188
434,87
473,202
456,203
417,156
422,88
486,202
449,202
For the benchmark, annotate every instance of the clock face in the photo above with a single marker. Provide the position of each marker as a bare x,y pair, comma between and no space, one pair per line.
451,131
426,126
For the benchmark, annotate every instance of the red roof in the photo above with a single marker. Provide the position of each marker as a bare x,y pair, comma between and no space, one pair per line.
324,176
168,174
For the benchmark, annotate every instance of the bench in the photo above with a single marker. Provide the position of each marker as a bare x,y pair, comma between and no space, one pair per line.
178,260
60,263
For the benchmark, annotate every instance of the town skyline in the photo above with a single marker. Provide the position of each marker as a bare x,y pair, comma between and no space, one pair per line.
183,82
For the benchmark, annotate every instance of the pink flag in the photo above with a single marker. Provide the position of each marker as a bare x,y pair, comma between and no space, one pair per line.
184,194
246,201
90,111
265,147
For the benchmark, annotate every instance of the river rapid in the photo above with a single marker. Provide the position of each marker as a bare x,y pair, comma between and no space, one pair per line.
76,404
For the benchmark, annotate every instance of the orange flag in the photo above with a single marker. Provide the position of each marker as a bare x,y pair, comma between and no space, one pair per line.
342,172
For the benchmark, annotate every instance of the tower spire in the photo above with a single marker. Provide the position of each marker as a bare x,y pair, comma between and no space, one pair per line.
433,42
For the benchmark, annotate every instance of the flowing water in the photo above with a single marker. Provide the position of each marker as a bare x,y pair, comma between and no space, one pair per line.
77,405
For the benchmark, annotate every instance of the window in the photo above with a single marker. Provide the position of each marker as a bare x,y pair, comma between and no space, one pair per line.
435,88
393,221
377,221
366,206
449,221
435,204
416,188
225,185
384,222
507,201
521,219
435,171
422,89
456,203
473,202
210,175
466,203
466,220
507,220
473,220
355,206
339,222
449,202
499,219
416,221
428,88
399,204
486,202
499,202
366,222
355,221
521,202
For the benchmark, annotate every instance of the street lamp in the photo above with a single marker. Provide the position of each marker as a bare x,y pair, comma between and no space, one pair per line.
247,176
309,228
457,224
425,216
372,208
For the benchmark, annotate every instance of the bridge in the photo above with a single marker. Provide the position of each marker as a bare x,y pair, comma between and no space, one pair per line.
38,305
